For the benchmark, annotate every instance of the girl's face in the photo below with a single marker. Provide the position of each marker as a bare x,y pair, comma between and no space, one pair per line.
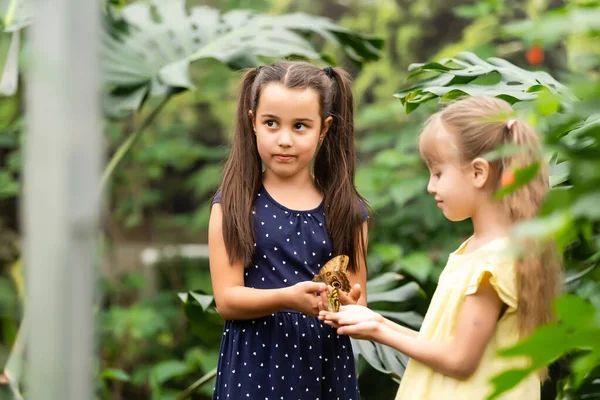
457,188
288,128
452,189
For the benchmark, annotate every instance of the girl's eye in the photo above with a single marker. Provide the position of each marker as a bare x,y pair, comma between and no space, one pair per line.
299,126
271,124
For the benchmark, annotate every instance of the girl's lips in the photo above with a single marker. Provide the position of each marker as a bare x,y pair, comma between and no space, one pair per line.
283,157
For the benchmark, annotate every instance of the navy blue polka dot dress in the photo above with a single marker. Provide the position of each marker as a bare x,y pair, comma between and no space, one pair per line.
286,355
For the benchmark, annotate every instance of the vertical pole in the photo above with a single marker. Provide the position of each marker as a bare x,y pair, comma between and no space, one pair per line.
61,199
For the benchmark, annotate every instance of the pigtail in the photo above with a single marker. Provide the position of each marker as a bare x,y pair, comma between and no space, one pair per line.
538,272
334,170
241,178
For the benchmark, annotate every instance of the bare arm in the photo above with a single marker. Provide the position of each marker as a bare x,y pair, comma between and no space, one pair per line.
458,358
235,301
360,277
399,328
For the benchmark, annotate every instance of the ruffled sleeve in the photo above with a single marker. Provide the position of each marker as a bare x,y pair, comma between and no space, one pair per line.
216,199
502,276
363,211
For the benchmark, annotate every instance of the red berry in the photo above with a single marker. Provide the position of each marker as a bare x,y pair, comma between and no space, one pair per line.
535,55
508,178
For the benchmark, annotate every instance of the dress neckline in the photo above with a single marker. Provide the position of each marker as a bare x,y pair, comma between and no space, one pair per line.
264,191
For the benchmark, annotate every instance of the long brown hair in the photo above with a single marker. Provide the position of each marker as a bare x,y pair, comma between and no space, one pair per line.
334,164
481,125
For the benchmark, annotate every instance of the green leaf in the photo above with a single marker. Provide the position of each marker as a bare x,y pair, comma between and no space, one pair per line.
204,300
380,357
549,226
166,370
9,187
402,293
407,189
515,84
583,365
507,380
116,374
522,177
16,14
588,206
152,55
418,265
559,173
383,282
555,25
393,159
547,103
574,312
409,318
543,346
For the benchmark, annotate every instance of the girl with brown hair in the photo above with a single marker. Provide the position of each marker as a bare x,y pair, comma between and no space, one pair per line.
287,204
494,289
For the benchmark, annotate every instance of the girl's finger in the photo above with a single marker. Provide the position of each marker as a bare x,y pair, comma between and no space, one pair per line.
321,308
355,292
332,317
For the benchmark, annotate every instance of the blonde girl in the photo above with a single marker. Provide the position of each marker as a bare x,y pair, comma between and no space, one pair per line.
488,295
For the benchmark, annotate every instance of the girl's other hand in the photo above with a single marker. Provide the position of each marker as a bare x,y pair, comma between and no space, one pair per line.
366,330
352,297
350,315
353,320
303,297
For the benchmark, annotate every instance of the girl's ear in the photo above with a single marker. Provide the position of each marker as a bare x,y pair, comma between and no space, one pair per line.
251,116
325,128
480,172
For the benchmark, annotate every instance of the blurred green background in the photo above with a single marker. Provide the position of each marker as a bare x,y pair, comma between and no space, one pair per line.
153,345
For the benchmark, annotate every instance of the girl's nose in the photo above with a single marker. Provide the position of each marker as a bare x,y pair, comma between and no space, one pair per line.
431,187
285,138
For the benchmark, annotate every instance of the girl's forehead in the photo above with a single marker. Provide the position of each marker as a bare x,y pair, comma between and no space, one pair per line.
436,144
278,100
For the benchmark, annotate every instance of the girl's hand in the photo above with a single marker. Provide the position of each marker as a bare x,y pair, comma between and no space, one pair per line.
350,315
303,297
351,297
366,330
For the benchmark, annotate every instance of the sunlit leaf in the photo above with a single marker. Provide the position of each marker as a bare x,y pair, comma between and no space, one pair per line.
588,206
403,293
152,55
116,374
515,84
165,370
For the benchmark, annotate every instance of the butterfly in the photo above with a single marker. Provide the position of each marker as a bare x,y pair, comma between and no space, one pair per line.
335,274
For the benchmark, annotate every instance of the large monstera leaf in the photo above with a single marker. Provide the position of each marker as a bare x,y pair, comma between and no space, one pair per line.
151,52
15,14
391,297
467,74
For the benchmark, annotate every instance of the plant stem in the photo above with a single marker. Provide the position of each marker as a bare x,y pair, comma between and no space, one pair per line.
128,144
196,385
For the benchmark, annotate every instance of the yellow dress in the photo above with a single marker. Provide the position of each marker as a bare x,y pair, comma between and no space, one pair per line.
461,277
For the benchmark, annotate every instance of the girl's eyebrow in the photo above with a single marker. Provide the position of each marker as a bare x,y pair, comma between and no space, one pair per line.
276,117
